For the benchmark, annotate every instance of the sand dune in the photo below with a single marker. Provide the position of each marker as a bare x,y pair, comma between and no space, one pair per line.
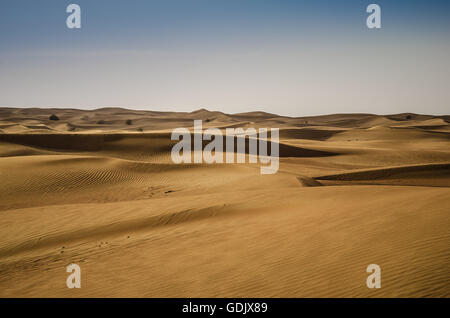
426,175
96,190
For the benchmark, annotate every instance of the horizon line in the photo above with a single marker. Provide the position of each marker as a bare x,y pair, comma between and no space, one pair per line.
219,111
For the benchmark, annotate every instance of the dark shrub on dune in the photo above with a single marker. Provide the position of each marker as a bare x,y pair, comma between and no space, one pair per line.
129,122
101,122
408,117
53,117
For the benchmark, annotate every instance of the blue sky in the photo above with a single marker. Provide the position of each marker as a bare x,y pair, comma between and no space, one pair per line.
289,57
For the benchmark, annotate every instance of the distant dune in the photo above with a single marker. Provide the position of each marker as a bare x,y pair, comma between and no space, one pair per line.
98,188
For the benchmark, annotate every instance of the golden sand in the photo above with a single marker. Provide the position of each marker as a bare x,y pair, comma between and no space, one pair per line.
352,190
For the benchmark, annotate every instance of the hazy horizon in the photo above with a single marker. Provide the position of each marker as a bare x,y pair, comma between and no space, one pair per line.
217,110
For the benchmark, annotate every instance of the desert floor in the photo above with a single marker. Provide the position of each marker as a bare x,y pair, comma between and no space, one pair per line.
351,190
